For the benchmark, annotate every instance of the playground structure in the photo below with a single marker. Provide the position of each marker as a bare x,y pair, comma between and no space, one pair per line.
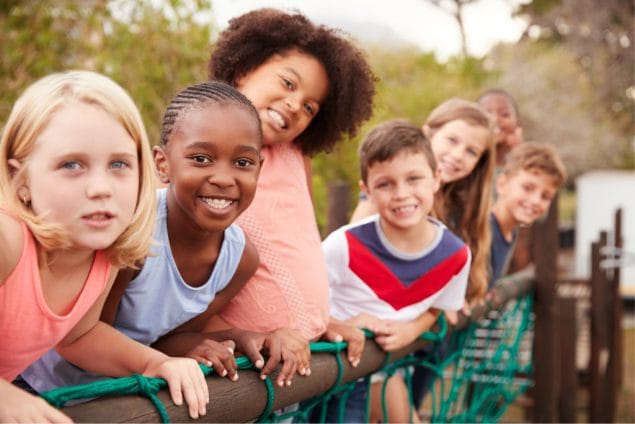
552,378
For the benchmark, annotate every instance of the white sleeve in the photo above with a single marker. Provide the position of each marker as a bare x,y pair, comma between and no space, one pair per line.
335,250
452,295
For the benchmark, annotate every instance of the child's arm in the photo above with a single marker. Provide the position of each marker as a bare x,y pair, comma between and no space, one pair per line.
97,347
18,406
393,335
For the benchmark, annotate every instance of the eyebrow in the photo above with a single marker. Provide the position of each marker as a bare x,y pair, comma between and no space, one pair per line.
294,72
207,146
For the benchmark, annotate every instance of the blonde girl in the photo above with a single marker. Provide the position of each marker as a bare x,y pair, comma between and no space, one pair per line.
76,204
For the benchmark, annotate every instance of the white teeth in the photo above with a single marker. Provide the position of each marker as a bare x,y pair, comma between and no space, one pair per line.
218,203
401,209
276,117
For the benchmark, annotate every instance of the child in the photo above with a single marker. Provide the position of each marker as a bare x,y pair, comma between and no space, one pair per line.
211,171
503,108
461,135
77,204
531,177
388,271
311,87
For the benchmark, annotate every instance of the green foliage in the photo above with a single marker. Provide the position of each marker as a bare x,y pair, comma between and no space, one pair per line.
151,50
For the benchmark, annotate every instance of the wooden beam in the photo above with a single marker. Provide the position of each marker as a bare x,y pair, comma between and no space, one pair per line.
246,399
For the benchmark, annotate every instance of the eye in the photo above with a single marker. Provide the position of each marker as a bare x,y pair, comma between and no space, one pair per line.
309,108
287,83
120,164
244,163
201,159
71,165
414,178
383,185
473,152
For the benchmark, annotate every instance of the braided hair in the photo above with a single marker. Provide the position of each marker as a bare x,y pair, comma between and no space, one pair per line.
200,95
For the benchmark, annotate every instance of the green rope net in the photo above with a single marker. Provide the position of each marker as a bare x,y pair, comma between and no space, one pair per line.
480,370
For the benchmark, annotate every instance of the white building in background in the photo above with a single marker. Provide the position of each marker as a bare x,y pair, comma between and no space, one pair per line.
599,194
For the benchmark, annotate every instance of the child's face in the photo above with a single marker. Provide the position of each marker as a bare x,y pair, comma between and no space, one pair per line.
457,146
506,119
211,162
84,175
525,195
402,189
287,91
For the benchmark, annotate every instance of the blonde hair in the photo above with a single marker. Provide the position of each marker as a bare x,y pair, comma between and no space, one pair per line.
464,205
536,156
31,114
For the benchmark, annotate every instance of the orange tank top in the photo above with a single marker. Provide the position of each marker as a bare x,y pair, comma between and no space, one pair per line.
28,328
290,287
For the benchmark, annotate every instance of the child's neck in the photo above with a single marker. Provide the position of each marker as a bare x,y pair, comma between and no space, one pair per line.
505,221
62,275
194,251
412,239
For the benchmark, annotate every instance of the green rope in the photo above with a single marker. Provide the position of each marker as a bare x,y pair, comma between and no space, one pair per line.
480,389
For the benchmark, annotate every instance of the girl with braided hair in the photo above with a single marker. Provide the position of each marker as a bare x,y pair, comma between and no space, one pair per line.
209,159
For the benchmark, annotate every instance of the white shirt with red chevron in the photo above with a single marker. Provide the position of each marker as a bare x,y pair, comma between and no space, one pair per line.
369,275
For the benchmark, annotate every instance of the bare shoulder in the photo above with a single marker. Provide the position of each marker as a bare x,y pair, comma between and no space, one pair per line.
11,240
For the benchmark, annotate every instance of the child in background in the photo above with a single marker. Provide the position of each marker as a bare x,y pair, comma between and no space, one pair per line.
528,182
461,135
210,170
77,196
509,134
311,87
392,272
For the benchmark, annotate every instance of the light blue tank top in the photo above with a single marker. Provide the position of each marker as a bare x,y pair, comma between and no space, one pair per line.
155,302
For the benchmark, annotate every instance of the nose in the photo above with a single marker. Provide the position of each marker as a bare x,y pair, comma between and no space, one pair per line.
221,176
401,191
292,103
457,153
99,185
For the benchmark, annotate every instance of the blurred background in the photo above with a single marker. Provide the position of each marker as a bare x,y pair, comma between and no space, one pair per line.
570,65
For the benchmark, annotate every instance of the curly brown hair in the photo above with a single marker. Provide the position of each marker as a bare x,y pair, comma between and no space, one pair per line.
252,38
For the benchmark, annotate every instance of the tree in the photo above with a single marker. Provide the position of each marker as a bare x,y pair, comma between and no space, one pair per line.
455,8
600,37
153,50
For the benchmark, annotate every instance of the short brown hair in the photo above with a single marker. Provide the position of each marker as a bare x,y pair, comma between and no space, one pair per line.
536,156
388,139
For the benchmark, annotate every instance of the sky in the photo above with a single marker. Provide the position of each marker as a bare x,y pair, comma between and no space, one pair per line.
417,22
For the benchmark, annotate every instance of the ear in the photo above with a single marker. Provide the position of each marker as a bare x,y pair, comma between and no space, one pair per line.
501,181
161,164
426,131
23,191
362,187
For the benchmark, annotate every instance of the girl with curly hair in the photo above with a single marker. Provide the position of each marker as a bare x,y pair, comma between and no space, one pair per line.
312,88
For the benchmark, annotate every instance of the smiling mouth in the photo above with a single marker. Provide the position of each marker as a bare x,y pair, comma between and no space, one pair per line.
216,203
277,118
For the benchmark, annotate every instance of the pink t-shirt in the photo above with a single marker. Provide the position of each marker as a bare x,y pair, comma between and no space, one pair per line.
28,328
290,287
